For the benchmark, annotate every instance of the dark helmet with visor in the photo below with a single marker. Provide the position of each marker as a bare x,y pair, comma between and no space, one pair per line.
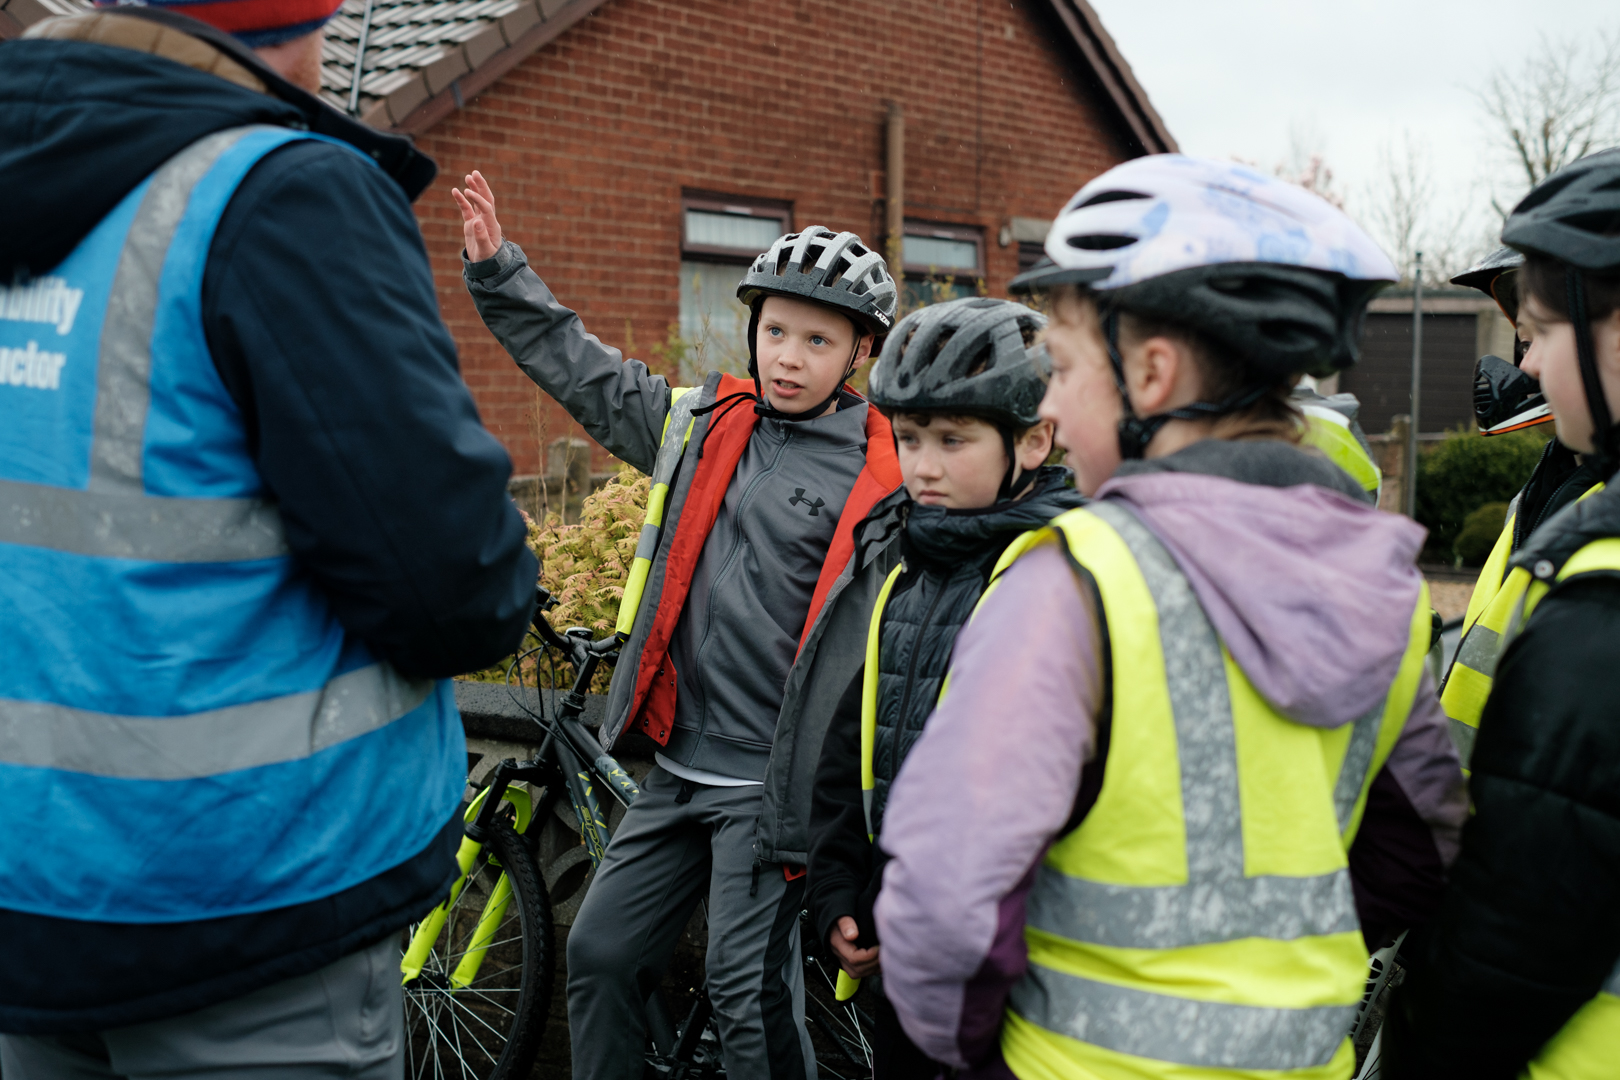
1573,217
975,356
1505,398
1273,274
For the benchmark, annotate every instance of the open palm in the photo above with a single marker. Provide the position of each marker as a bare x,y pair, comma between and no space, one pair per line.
478,225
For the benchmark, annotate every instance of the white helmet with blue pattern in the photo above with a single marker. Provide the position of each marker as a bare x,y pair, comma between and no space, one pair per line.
1273,273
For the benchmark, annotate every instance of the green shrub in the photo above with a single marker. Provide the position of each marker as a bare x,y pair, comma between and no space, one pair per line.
585,566
1463,473
1479,532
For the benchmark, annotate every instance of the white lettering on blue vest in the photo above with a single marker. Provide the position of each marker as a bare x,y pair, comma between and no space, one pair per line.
31,367
43,300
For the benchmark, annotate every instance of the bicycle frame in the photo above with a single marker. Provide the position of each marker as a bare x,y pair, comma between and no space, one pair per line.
559,765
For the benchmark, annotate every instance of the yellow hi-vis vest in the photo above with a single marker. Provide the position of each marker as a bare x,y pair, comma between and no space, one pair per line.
1490,612
1328,431
1199,922
664,466
1588,1046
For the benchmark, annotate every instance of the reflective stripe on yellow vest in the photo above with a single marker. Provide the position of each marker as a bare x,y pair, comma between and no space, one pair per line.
1328,431
1490,612
869,702
678,420
1588,1046
1200,920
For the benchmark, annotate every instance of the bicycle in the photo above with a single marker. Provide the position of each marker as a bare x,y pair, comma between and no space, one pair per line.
478,969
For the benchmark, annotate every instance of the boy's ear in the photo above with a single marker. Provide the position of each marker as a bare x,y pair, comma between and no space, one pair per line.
863,348
1034,446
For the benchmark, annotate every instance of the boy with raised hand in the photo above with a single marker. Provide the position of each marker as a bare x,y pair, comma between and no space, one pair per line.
960,382
742,619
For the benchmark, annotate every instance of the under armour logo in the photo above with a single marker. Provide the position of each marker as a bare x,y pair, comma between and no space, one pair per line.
815,506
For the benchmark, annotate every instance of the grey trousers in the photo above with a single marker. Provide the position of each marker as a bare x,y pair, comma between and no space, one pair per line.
345,1020
678,841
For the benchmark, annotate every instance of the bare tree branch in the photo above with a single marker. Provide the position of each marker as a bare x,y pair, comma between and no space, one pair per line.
1558,105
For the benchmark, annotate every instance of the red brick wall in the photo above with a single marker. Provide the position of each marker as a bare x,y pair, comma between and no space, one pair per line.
588,143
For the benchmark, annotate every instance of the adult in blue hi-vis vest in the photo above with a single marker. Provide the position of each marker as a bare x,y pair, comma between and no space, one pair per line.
248,523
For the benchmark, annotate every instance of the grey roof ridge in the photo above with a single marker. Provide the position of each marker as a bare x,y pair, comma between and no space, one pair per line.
1114,74
435,91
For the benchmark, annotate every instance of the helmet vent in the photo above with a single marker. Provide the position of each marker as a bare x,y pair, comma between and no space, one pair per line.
981,363
1602,222
1112,196
1100,242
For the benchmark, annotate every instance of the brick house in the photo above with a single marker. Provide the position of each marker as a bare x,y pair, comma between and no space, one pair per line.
642,150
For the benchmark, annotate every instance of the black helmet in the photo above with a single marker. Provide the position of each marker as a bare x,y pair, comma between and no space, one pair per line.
975,355
1573,217
1282,320
1494,276
829,268
1505,398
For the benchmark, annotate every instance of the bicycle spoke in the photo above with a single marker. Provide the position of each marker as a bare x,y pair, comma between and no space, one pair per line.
460,1026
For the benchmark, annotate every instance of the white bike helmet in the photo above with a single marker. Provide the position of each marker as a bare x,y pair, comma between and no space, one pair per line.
1277,276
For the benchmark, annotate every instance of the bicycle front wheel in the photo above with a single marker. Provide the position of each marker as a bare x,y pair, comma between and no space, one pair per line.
479,1007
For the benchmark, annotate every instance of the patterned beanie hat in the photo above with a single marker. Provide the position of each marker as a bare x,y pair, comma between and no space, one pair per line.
256,23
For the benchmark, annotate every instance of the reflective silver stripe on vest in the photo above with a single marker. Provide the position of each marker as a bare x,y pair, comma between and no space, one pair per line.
208,743
1218,903
1479,650
1357,760
647,542
674,444
1200,1033
139,526
1462,737
1611,985
115,517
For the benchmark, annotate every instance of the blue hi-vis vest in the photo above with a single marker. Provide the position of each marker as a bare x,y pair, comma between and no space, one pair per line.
186,731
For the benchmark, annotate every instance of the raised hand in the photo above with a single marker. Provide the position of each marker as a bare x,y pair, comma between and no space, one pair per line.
482,233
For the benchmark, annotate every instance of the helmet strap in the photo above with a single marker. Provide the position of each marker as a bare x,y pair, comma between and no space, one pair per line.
1015,481
1136,432
1605,436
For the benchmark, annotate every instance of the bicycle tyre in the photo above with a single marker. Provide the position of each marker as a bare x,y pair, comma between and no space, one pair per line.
463,1032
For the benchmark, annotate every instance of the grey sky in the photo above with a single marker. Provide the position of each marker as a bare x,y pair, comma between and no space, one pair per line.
1240,77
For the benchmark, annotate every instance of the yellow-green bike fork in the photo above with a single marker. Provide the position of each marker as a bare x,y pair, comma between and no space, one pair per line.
500,897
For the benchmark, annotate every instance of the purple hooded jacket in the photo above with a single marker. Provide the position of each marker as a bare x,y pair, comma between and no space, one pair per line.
1311,591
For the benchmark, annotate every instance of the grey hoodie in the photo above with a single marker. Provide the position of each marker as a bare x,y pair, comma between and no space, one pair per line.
1313,593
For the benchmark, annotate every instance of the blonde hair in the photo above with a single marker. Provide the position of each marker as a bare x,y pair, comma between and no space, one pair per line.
1220,374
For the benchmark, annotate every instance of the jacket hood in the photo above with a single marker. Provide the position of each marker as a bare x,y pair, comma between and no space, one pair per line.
1310,589
935,535
82,123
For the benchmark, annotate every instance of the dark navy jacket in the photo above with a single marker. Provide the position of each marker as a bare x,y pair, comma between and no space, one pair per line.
321,316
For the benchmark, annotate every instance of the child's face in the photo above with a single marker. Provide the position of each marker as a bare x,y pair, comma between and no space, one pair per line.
1551,358
803,350
1081,398
952,461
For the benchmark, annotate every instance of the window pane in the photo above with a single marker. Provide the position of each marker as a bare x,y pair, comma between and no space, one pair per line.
941,253
706,228
714,325
917,294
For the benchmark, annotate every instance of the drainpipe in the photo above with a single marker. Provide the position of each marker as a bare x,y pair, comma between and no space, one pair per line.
1417,383
897,189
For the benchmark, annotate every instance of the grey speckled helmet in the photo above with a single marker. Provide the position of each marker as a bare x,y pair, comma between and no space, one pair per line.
829,268
975,355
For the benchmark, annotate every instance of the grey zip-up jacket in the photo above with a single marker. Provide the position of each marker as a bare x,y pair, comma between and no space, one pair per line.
750,702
